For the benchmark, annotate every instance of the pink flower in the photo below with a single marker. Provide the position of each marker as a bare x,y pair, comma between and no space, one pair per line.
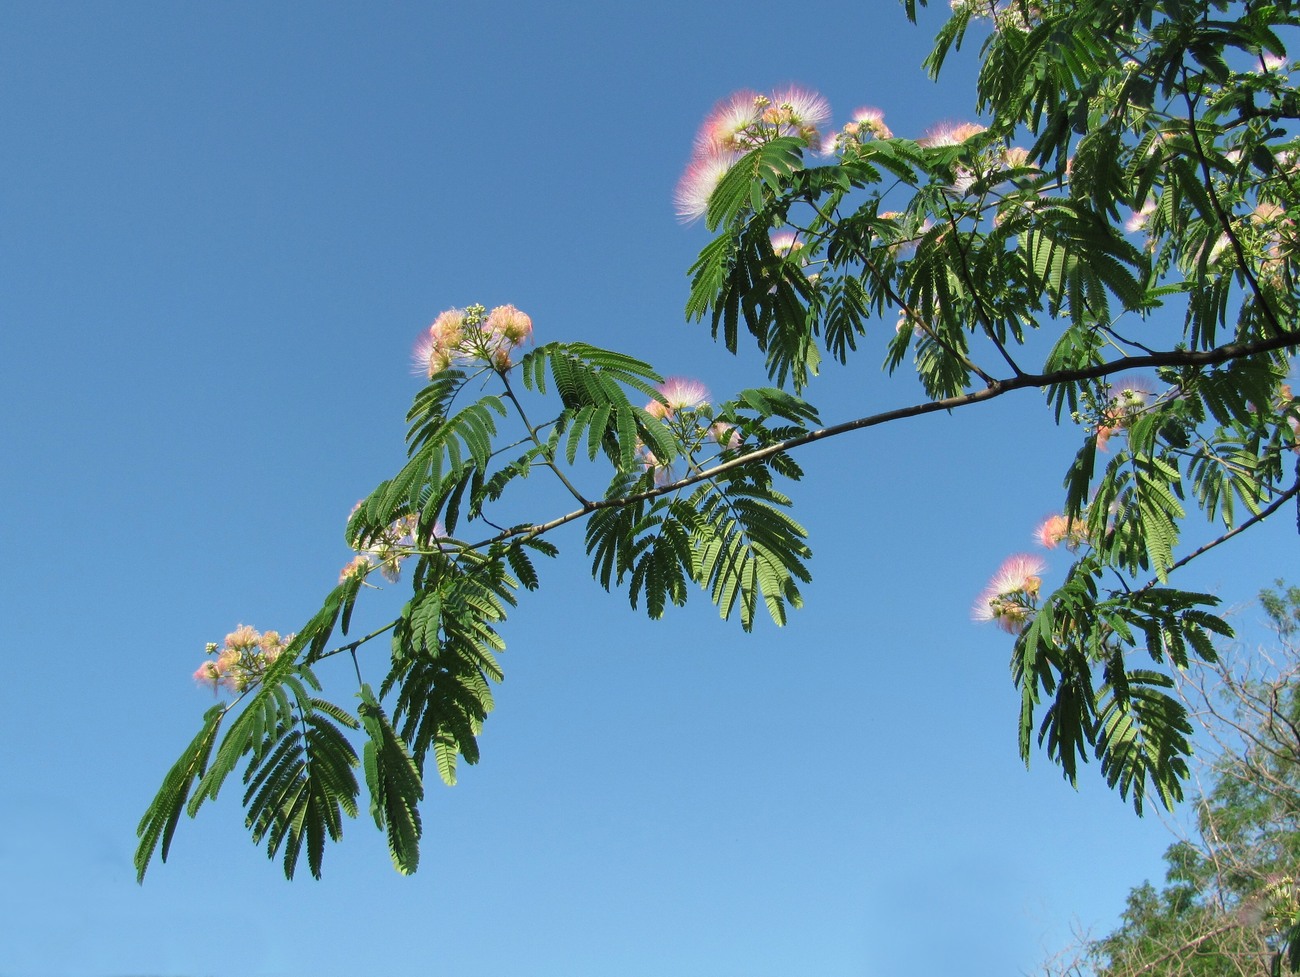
802,110
1021,573
228,666
509,325
873,120
679,393
697,184
727,436
1009,599
1056,529
1138,219
1129,400
727,128
242,638
358,567
208,674
950,134
1016,157
273,645
437,348
784,243
663,474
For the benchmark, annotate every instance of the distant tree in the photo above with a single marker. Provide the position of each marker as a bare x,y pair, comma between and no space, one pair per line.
1230,903
1146,224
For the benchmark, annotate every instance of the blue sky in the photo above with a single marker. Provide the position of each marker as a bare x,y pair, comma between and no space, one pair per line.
221,229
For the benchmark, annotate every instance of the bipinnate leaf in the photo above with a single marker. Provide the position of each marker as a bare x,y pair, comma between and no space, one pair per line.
159,821
394,782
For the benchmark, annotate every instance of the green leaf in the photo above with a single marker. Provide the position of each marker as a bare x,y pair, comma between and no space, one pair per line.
160,820
394,782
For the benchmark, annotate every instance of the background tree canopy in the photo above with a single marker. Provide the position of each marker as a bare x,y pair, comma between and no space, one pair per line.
1230,903
1121,207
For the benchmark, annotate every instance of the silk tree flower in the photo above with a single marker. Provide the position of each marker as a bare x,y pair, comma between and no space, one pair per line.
697,184
867,121
800,112
508,325
949,134
1015,157
503,331
1132,399
1056,529
1009,599
208,674
359,566
466,334
242,659
737,125
439,346
663,473
679,394
1137,221
784,243
727,436
729,126
389,547
272,644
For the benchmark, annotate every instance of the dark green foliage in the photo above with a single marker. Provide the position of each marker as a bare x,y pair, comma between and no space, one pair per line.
394,782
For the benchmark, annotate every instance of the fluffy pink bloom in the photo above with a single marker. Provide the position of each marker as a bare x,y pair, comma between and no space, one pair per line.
504,330
727,128
872,120
1021,573
358,567
804,111
950,134
1137,221
1056,529
865,123
697,184
679,393
785,242
242,638
509,325
663,474
208,674
1128,401
272,645
1016,157
437,348
1008,600
727,436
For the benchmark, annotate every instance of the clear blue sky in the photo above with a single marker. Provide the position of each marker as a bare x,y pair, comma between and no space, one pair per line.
221,228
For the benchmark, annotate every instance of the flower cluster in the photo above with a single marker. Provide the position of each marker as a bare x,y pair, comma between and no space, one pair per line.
679,394
1123,408
1005,15
1275,904
745,120
685,407
387,548
1056,530
1011,597
864,124
242,660
737,125
950,134
472,334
